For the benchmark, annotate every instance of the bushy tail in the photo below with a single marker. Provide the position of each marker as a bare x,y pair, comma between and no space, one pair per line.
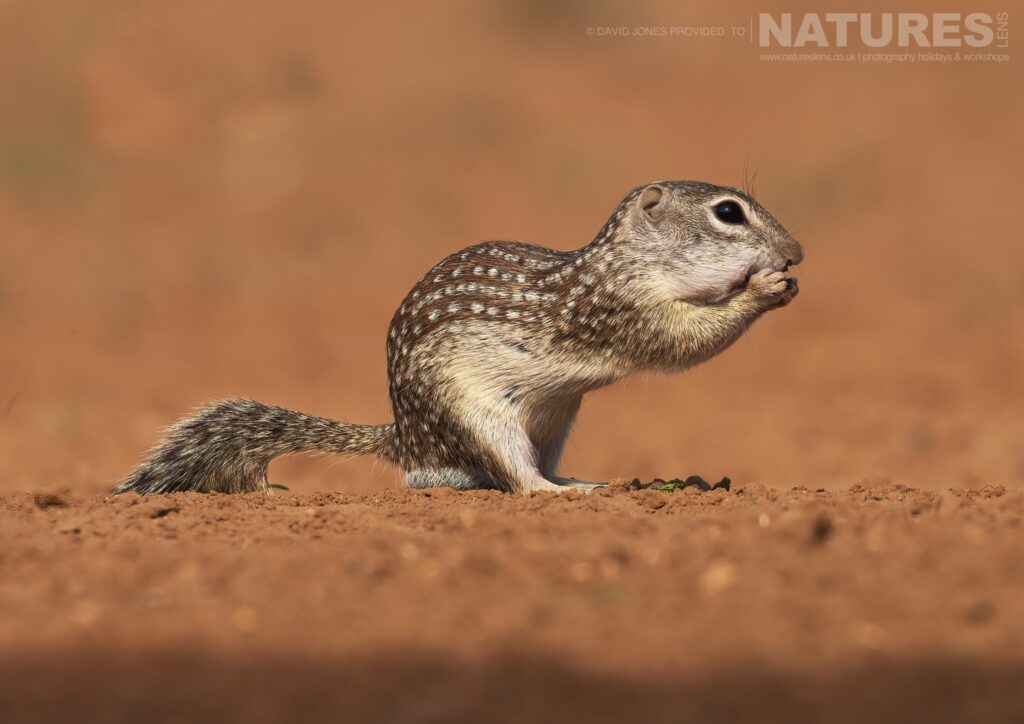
226,447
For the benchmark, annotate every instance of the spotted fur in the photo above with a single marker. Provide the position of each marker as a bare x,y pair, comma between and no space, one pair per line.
491,352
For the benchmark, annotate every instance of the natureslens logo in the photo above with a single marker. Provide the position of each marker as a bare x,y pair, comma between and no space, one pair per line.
890,37
881,30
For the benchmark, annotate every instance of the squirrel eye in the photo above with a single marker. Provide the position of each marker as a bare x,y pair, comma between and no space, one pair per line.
730,212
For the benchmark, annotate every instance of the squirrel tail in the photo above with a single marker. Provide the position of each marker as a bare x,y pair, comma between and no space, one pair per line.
226,446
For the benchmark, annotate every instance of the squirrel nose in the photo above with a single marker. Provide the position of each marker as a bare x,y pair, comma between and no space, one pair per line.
795,254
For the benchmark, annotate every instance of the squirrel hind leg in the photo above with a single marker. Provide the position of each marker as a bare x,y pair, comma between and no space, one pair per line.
421,478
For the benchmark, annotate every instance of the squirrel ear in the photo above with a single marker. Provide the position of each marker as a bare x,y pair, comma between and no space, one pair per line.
652,202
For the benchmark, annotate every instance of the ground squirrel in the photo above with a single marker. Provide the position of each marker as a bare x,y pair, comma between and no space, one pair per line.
492,350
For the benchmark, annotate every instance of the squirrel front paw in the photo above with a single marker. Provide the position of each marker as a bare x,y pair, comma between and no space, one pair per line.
772,288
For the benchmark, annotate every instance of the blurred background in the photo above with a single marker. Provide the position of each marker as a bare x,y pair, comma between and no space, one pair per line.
207,199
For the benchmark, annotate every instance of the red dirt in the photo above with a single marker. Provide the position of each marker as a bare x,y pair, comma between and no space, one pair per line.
445,606
201,200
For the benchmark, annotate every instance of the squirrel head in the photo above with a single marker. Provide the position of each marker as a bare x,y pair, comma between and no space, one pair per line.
692,241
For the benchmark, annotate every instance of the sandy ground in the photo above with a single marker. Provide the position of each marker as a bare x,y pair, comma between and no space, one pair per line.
201,200
628,604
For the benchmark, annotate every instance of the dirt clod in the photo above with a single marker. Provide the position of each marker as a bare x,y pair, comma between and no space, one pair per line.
49,500
821,529
693,481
